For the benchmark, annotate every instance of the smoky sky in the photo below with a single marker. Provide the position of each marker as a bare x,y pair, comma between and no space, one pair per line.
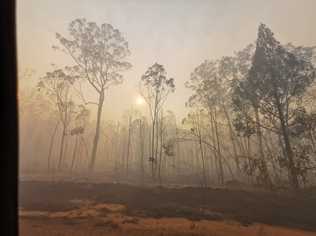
179,34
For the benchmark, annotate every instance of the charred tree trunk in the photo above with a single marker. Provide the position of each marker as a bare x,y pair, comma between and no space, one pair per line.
201,152
97,131
219,154
153,135
74,152
293,178
263,168
157,145
233,141
61,150
152,158
160,151
51,146
128,144
141,146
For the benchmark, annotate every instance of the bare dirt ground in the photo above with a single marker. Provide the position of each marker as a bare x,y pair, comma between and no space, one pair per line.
67,208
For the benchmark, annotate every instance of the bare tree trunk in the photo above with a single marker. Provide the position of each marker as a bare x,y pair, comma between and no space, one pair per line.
220,163
288,150
232,138
201,152
154,121
74,153
97,131
141,146
160,164
215,167
177,156
65,150
203,163
264,169
122,151
160,152
157,144
61,150
152,148
128,144
51,146
249,153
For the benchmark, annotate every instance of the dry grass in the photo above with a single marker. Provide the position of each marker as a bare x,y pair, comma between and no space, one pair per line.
151,227
116,223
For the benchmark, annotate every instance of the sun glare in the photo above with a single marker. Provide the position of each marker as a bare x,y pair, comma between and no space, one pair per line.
140,100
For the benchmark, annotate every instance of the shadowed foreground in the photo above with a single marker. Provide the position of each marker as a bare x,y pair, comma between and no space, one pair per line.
115,209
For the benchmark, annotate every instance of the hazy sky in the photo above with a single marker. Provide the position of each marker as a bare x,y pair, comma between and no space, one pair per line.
180,34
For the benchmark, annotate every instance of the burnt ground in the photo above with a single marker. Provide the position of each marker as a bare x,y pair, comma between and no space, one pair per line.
245,206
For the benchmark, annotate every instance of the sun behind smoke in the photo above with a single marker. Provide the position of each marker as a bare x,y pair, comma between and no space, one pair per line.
140,100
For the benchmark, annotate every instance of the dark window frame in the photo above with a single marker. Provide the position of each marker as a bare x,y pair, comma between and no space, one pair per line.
9,119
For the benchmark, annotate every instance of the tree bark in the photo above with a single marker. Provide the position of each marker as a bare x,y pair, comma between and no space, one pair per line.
153,137
288,150
160,151
74,152
141,145
198,126
51,146
264,170
218,151
97,131
233,141
128,144
61,151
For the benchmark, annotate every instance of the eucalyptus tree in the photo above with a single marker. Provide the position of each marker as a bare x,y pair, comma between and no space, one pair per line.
242,113
279,78
155,87
211,84
57,86
99,53
247,120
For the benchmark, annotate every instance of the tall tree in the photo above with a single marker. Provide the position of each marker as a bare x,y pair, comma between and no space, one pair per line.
211,83
99,53
247,121
280,78
57,86
155,88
